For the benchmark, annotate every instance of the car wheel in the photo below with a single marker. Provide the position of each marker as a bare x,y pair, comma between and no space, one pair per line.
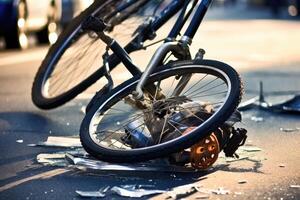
17,37
49,33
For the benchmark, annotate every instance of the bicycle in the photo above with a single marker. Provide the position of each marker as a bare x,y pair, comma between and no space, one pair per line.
161,111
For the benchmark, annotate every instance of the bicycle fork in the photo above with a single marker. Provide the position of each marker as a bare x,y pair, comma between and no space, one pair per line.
181,51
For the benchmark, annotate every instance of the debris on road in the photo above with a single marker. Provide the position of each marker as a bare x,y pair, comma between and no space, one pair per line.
289,106
55,141
257,119
55,159
244,153
87,194
19,141
230,160
250,149
204,196
83,110
183,191
98,165
132,191
295,186
220,191
282,165
242,181
135,193
292,105
289,130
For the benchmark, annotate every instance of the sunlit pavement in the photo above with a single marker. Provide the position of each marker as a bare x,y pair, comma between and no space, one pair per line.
261,50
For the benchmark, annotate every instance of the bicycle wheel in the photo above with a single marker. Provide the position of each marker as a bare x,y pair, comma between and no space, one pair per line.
105,132
74,62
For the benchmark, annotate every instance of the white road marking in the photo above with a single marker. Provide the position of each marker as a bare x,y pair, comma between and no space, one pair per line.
43,175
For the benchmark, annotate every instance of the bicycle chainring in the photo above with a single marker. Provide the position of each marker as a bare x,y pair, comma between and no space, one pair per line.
204,153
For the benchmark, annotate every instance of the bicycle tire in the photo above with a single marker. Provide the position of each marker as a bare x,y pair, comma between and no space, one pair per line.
162,150
68,37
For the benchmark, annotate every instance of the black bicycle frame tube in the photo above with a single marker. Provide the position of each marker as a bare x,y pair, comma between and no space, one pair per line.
124,57
121,55
164,16
167,13
181,20
197,18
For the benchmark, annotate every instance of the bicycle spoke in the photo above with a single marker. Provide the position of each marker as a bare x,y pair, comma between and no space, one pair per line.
208,95
195,84
204,85
203,91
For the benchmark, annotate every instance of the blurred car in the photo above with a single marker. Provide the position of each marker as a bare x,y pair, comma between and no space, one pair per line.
294,8
18,18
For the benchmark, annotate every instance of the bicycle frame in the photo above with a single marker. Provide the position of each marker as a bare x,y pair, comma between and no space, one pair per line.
181,47
164,16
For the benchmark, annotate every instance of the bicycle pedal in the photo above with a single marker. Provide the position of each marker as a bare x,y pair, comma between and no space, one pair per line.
237,139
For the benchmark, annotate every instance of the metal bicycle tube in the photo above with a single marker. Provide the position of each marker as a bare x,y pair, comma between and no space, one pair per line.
124,57
181,20
197,19
121,55
158,56
167,13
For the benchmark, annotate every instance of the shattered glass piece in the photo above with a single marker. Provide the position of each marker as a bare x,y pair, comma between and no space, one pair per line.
289,130
83,109
183,191
295,186
257,119
90,193
220,191
104,189
55,141
19,141
136,193
54,159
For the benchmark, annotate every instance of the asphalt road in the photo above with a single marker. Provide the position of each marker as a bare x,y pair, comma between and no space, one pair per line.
261,50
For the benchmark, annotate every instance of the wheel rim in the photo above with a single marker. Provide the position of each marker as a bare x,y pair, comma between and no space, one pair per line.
100,120
82,57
